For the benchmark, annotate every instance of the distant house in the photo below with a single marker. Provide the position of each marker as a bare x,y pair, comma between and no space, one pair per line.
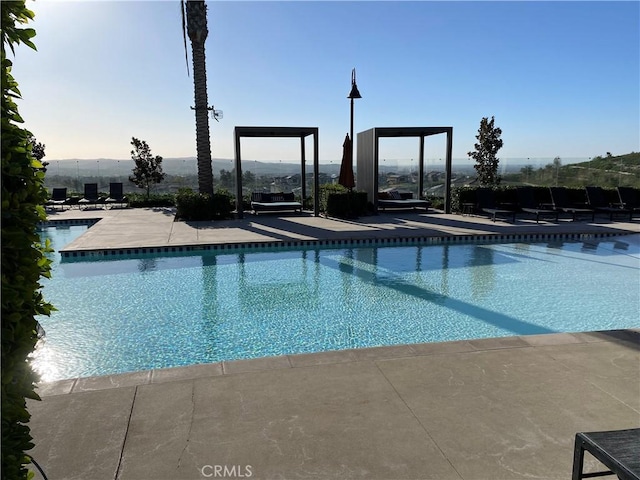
393,179
459,181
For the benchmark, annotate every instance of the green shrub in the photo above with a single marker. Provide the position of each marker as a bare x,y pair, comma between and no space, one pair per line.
326,190
436,202
307,202
192,206
246,202
347,204
23,257
139,200
461,195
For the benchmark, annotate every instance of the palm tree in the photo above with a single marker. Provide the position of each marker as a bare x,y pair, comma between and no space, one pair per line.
196,27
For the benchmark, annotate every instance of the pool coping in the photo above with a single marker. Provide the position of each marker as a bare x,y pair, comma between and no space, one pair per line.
355,241
222,368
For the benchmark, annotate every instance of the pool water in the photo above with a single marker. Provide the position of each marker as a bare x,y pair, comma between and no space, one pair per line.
132,314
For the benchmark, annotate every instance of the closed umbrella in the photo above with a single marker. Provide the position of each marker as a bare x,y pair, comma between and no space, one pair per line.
346,178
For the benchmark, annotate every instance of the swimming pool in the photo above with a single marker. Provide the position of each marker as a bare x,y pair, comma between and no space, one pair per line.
129,314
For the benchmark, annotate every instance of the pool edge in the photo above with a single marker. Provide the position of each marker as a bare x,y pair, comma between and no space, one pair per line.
629,337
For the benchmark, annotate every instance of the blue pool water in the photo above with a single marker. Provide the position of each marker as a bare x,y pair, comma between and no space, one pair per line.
152,312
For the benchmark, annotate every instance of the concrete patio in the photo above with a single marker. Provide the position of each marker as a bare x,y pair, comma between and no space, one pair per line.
504,408
132,228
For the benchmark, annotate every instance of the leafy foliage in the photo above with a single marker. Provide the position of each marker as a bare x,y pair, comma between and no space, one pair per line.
192,206
486,149
228,178
23,257
337,201
329,189
138,200
148,169
347,204
37,148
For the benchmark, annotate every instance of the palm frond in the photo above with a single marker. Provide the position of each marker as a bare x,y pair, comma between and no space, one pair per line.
184,35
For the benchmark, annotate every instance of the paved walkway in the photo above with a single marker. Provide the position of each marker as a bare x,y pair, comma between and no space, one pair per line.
134,228
505,408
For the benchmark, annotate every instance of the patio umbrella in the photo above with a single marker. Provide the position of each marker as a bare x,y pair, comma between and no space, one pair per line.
346,167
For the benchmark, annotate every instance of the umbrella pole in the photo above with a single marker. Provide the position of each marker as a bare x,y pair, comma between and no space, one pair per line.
351,139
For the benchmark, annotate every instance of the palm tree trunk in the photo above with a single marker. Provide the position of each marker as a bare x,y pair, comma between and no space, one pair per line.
203,141
197,30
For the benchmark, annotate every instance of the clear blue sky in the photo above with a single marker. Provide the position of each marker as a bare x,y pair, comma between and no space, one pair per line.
561,78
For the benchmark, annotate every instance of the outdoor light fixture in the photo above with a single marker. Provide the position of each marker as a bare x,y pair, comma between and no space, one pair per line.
354,88
353,94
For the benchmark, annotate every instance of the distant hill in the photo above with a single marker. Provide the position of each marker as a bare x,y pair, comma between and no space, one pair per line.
105,167
621,163
174,166
609,171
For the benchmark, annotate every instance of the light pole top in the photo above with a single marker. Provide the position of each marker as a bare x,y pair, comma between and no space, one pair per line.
354,88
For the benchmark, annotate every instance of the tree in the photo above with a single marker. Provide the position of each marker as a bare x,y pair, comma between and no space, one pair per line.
148,169
227,178
527,171
196,26
248,178
23,257
37,148
489,143
557,163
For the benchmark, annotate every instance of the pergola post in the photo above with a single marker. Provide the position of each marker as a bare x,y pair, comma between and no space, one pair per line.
421,168
303,170
316,176
447,185
239,206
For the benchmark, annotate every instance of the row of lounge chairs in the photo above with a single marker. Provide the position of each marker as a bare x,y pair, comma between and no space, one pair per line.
91,197
559,202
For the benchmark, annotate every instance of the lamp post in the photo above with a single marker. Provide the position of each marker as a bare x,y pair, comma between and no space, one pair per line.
353,94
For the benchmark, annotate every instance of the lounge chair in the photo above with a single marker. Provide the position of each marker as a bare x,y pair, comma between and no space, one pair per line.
485,199
597,201
617,450
395,199
528,204
58,198
91,196
630,199
560,201
116,195
273,202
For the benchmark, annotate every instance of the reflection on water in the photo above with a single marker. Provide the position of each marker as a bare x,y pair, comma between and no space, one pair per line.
483,275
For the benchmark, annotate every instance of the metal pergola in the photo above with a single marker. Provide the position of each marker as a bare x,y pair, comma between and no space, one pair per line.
300,132
368,147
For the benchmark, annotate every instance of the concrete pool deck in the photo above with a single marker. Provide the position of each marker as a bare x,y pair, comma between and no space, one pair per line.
501,408
136,228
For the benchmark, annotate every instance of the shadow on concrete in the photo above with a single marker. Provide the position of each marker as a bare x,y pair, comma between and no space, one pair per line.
625,338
